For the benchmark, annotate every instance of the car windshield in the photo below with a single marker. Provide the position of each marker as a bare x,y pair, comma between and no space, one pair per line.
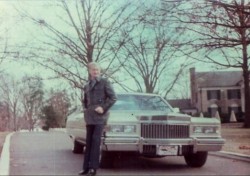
140,102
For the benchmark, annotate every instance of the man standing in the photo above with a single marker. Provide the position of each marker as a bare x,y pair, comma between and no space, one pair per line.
99,96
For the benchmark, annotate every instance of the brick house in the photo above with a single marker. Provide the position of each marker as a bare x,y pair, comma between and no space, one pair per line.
221,91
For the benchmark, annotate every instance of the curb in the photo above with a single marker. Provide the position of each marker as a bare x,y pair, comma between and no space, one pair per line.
231,155
5,156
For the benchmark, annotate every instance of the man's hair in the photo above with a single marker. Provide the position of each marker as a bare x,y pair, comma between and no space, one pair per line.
94,64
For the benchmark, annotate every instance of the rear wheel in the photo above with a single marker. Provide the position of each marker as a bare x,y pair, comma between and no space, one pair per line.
77,148
196,159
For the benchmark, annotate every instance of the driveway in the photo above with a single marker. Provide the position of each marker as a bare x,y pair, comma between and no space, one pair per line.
49,153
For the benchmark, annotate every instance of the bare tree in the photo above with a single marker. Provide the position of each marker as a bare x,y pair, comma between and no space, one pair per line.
221,33
88,31
60,103
152,51
32,98
182,88
7,51
3,44
3,52
10,95
4,116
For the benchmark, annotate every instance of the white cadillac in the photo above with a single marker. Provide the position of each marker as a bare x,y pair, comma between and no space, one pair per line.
147,125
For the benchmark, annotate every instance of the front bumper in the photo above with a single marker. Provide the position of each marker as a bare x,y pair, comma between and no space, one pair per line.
138,144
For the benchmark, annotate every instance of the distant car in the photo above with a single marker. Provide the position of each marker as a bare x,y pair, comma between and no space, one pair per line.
147,125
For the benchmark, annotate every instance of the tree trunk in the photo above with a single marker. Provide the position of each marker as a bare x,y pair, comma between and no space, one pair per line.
90,47
245,68
246,87
247,101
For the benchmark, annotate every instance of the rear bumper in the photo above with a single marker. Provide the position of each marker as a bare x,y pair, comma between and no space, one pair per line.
138,144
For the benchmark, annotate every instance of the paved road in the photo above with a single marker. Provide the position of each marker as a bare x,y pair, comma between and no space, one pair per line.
49,153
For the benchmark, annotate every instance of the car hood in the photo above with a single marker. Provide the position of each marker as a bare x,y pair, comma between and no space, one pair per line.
134,116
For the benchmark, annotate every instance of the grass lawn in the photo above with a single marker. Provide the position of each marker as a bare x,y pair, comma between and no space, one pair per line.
237,138
2,139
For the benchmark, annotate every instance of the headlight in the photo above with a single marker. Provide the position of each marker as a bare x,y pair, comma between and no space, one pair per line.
116,128
209,130
129,129
206,129
121,128
198,129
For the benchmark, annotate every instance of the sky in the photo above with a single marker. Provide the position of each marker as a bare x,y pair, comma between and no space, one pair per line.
16,31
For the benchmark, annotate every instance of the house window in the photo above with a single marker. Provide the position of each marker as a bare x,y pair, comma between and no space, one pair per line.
213,94
233,94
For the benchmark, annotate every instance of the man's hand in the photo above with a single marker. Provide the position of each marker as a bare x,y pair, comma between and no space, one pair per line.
99,109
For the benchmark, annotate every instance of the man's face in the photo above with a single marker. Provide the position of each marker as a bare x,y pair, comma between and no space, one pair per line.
94,72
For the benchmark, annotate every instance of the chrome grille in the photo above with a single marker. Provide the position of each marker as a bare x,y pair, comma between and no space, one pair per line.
165,131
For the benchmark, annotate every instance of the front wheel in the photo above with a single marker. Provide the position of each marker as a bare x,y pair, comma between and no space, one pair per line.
196,159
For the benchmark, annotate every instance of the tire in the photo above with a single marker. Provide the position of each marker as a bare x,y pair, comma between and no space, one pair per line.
107,159
77,148
196,159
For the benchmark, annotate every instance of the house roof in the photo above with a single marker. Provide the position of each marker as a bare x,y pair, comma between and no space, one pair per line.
218,79
181,103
